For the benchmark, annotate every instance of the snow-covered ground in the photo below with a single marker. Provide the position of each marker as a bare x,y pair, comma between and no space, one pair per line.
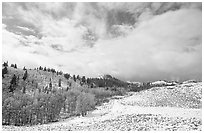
131,112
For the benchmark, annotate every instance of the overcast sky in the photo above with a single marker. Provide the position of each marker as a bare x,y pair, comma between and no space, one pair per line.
131,41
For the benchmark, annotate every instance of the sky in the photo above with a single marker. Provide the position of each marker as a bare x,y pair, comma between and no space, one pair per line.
130,41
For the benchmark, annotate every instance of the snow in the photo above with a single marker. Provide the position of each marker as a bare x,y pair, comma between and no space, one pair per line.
134,82
128,106
159,82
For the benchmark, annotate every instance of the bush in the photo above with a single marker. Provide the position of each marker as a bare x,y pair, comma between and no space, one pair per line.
70,101
85,102
13,109
120,91
101,93
21,109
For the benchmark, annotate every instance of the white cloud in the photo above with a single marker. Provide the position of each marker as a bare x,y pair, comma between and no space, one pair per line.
154,50
158,47
63,33
93,18
25,28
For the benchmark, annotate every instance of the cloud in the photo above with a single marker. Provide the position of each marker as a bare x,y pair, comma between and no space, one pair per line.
154,50
25,28
52,31
132,41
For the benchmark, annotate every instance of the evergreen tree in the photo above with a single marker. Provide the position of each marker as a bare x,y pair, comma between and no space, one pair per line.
60,72
15,66
5,64
78,77
67,76
24,86
83,79
4,71
45,69
13,83
40,68
25,75
53,70
12,65
88,80
74,78
50,84
67,88
24,68
60,82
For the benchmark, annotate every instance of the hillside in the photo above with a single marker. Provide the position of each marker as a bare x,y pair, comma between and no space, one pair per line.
39,96
186,95
103,103
177,108
37,79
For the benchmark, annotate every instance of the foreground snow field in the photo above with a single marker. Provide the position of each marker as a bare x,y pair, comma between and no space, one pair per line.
159,108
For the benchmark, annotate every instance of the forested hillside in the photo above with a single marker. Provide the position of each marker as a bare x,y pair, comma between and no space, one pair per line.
42,95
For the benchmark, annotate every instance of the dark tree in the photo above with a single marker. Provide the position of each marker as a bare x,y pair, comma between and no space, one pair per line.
88,80
15,66
13,80
13,83
83,79
24,90
4,71
67,88
74,78
53,70
67,76
24,68
40,68
12,65
25,75
45,69
78,77
60,72
60,82
92,85
5,64
48,69
50,86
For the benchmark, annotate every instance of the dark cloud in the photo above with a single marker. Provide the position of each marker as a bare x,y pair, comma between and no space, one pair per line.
109,13
13,24
119,18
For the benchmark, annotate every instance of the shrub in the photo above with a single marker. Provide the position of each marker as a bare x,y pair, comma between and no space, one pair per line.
101,92
4,71
120,91
85,102
70,101
21,109
13,109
